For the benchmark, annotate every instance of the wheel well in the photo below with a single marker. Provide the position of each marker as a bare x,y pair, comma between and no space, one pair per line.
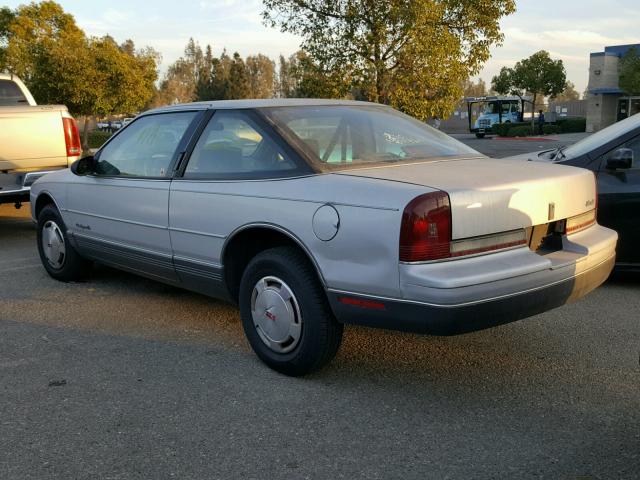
245,245
42,201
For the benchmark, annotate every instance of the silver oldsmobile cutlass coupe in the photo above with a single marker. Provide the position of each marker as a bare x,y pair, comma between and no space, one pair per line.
313,213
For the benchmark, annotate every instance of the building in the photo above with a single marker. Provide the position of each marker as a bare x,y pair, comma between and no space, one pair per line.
606,103
559,109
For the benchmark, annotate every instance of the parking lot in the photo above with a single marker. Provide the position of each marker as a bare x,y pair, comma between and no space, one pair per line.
504,147
121,378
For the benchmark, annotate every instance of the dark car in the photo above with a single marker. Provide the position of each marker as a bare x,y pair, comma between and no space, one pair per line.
613,154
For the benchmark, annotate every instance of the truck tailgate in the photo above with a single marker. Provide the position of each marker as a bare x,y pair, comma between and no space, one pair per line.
32,137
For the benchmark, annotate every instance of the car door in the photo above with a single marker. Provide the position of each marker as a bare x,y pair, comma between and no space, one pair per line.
224,185
619,202
119,214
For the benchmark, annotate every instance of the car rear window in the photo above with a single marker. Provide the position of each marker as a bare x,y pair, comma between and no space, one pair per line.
10,94
341,136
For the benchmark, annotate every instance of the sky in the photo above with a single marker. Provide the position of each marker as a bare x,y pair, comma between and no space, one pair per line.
568,29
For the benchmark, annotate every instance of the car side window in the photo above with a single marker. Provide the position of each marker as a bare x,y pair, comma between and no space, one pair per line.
146,147
233,146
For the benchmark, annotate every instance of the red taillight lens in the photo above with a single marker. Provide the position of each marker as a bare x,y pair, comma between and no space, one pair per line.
71,137
425,233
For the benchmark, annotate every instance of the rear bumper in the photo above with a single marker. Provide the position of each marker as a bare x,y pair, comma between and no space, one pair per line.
15,186
449,298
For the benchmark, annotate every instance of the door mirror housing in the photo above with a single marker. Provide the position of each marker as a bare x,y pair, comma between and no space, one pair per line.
84,166
620,159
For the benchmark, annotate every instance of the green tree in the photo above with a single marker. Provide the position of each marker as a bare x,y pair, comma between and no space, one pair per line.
569,93
117,79
412,54
503,83
124,76
261,71
60,65
41,38
186,78
220,72
198,75
538,75
630,72
301,76
204,79
474,89
6,17
238,83
284,80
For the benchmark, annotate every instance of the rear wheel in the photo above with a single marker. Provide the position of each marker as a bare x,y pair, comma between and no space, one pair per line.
285,313
58,256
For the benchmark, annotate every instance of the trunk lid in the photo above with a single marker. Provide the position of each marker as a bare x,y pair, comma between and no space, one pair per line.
490,196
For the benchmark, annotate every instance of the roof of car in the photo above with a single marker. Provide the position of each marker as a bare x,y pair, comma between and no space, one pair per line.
257,103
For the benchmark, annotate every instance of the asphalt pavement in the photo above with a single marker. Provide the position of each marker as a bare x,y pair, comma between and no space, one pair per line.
499,147
123,378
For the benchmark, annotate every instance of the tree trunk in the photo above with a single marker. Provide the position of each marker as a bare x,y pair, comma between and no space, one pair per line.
379,86
85,135
533,115
379,67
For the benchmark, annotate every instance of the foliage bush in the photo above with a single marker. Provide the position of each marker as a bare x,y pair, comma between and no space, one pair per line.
549,129
523,129
519,131
572,125
97,138
502,130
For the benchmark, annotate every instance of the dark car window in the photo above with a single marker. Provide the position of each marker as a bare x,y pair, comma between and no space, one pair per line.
233,146
10,94
146,147
600,138
633,144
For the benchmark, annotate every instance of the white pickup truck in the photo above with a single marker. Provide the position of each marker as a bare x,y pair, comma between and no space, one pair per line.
34,140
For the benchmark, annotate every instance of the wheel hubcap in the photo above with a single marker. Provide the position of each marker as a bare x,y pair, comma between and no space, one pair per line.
276,314
53,244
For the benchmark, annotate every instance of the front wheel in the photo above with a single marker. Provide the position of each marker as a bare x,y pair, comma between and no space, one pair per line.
58,256
285,313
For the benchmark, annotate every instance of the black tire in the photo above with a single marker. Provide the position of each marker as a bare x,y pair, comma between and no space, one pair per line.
321,333
480,135
72,266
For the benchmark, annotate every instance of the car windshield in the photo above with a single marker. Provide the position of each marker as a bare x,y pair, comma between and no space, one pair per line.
343,136
491,108
599,138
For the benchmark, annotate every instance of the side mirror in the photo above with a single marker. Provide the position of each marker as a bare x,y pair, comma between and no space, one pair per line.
620,159
84,166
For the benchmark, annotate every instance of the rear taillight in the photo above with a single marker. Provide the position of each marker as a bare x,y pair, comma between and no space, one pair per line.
71,137
425,233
